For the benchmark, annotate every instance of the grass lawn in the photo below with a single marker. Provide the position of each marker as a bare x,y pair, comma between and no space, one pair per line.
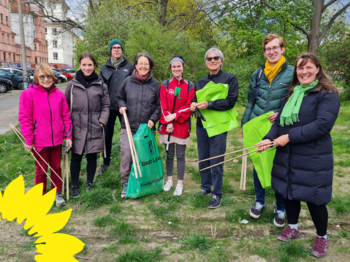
114,229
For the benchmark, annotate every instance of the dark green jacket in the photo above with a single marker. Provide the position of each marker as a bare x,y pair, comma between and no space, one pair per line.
270,95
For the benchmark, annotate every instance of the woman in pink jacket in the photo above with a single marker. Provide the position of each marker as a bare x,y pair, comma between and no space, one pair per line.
45,122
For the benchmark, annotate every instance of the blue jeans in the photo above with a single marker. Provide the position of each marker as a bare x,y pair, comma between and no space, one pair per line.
109,131
210,147
260,193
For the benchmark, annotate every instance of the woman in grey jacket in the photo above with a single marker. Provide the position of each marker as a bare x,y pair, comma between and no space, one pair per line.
88,100
139,98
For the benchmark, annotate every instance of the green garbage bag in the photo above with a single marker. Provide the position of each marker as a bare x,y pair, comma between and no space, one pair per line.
217,122
253,133
151,166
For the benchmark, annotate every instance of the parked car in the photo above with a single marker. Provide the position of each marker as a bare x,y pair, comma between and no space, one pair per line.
5,85
19,72
60,78
70,71
17,81
67,75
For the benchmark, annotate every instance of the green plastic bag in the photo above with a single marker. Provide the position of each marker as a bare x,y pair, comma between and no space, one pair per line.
253,133
217,122
151,165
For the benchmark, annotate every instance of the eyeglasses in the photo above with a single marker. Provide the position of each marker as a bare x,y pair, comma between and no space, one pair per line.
116,47
142,64
268,50
49,77
216,58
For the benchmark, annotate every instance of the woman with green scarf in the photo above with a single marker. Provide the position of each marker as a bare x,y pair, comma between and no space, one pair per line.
303,165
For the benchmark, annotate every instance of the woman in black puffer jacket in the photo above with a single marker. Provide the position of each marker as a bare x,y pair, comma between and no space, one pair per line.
139,98
303,165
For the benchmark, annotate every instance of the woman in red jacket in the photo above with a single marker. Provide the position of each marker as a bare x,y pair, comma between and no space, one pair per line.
45,122
176,95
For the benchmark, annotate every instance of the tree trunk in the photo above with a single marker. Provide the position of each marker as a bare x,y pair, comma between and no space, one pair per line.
315,33
162,18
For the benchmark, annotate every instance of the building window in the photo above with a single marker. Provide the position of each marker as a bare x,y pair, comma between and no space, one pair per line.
4,56
7,20
14,58
45,30
55,56
53,6
13,40
54,31
34,46
8,39
3,38
54,43
2,19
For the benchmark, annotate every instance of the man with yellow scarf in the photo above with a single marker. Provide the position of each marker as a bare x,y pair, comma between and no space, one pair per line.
275,78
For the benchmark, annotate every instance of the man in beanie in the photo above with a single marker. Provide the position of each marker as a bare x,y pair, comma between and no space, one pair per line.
113,73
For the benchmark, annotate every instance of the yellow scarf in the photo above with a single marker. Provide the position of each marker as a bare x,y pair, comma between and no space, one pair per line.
272,71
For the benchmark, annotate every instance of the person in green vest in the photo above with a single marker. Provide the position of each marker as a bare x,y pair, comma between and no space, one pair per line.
275,78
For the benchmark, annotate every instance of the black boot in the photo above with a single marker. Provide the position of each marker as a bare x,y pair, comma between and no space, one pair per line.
75,192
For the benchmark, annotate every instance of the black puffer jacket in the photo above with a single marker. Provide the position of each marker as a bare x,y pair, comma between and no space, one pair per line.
303,169
114,79
142,101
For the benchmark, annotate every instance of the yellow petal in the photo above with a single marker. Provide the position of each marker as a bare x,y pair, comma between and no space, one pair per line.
0,204
36,206
50,223
58,247
12,199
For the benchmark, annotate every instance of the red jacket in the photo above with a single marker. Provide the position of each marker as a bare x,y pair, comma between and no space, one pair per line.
181,123
44,117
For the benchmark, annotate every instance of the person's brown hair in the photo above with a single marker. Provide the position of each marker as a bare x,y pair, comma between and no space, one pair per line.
90,56
324,82
271,37
46,69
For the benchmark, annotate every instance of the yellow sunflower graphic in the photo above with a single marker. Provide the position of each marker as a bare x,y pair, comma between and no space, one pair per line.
33,207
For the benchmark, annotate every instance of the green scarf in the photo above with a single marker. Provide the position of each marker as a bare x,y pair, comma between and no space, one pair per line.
290,113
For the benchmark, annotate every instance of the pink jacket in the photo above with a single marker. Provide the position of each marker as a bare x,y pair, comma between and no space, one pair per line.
44,117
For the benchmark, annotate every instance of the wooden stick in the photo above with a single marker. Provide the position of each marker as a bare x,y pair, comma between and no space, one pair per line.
242,173
15,131
229,160
19,133
129,138
67,176
245,169
63,173
234,152
133,146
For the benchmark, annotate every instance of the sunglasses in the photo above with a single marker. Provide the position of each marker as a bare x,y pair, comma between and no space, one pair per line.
216,58
49,77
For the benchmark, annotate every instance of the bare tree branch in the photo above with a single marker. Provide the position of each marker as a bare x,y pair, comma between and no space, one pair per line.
330,23
325,6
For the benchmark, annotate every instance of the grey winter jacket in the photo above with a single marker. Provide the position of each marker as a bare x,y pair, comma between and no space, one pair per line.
142,101
114,79
89,108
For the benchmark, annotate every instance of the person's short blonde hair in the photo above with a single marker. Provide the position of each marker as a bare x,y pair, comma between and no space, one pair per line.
271,37
46,69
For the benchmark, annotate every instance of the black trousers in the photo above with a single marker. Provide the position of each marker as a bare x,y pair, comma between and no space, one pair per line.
319,215
109,131
90,167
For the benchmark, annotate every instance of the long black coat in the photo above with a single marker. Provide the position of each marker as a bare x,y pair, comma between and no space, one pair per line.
142,101
303,169
114,78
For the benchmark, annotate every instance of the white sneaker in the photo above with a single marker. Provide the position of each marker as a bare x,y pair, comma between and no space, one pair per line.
168,185
178,190
59,200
